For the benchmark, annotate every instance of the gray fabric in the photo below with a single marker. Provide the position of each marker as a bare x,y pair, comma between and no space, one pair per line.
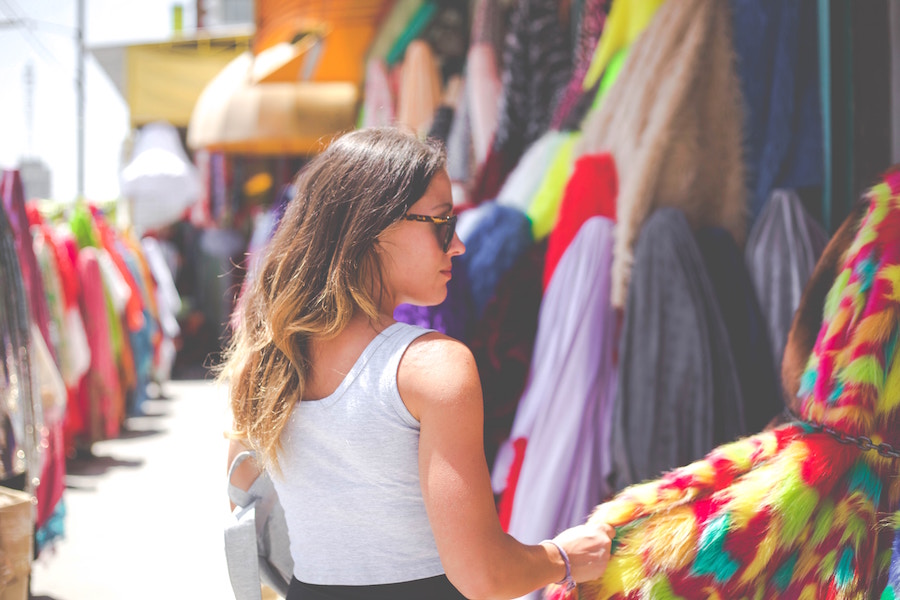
256,538
782,250
679,394
349,480
459,140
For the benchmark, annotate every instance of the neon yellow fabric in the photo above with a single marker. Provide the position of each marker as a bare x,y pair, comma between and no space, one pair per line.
626,20
610,75
544,208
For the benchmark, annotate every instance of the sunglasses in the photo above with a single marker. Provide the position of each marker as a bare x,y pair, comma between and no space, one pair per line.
444,226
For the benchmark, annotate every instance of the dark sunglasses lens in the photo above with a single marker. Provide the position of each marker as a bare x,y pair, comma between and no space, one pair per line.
448,230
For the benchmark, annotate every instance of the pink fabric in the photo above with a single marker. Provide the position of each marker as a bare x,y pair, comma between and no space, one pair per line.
100,392
483,88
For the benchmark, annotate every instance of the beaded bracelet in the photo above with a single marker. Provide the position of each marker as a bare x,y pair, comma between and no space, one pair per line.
568,581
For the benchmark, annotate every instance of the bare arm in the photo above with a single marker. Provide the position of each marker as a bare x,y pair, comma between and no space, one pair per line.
439,383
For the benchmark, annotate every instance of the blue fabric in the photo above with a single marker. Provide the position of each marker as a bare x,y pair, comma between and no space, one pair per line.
777,63
501,235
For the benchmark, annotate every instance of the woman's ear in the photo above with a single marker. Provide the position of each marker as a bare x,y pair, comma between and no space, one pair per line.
808,317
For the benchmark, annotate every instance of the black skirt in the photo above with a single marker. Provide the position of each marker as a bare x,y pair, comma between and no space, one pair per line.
432,588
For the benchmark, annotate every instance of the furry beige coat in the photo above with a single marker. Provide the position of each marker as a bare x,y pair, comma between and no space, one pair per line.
673,122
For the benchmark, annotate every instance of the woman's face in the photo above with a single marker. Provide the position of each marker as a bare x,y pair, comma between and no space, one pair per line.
416,269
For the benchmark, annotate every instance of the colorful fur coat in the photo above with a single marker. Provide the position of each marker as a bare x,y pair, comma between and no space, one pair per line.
794,512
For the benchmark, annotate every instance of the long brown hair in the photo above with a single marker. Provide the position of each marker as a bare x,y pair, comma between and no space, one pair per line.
318,269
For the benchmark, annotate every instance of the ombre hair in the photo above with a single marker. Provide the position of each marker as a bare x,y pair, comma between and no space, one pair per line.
319,269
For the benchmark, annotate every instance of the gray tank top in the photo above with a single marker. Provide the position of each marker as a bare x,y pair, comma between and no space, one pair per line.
350,478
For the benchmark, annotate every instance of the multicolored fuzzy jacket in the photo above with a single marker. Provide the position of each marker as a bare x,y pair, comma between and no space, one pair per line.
805,510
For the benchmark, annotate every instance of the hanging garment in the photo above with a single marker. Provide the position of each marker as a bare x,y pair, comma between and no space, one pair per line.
523,182
782,249
499,238
777,63
627,20
673,123
392,27
502,343
100,394
420,90
746,327
794,512
566,462
489,18
536,67
483,87
593,18
459,140
544,206
13,197
169,302
378,103
679,393
20,408
51,393
411,33
590,192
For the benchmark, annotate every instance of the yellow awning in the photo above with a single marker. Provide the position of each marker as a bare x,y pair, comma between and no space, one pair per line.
162,81
236,114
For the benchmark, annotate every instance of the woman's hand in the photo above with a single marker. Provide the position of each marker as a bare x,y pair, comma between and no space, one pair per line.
588,547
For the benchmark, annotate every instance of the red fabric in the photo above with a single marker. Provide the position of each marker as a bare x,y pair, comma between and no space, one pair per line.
512,481
590,192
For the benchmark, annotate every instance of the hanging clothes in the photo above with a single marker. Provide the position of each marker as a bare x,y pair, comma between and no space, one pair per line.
679,393
673,123
627,20
392,27
483,88
169,303
794,512
590,192
593,18
420,90
13,197
573,384
502,343
778,67
782,250
520,187
536,67
459,140
101,396
411,33
499,238
544,207
20,409
746,326
378,102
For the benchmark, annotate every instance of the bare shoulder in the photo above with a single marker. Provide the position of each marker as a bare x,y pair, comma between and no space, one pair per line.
437,369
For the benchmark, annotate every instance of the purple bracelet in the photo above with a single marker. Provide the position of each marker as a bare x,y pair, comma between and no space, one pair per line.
568,581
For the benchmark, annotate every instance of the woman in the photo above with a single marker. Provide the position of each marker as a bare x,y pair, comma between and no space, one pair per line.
372,429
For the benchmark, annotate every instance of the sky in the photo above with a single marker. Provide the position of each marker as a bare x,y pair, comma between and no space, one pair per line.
49,45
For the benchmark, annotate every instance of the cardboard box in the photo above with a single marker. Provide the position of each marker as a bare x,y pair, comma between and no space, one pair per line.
16,543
